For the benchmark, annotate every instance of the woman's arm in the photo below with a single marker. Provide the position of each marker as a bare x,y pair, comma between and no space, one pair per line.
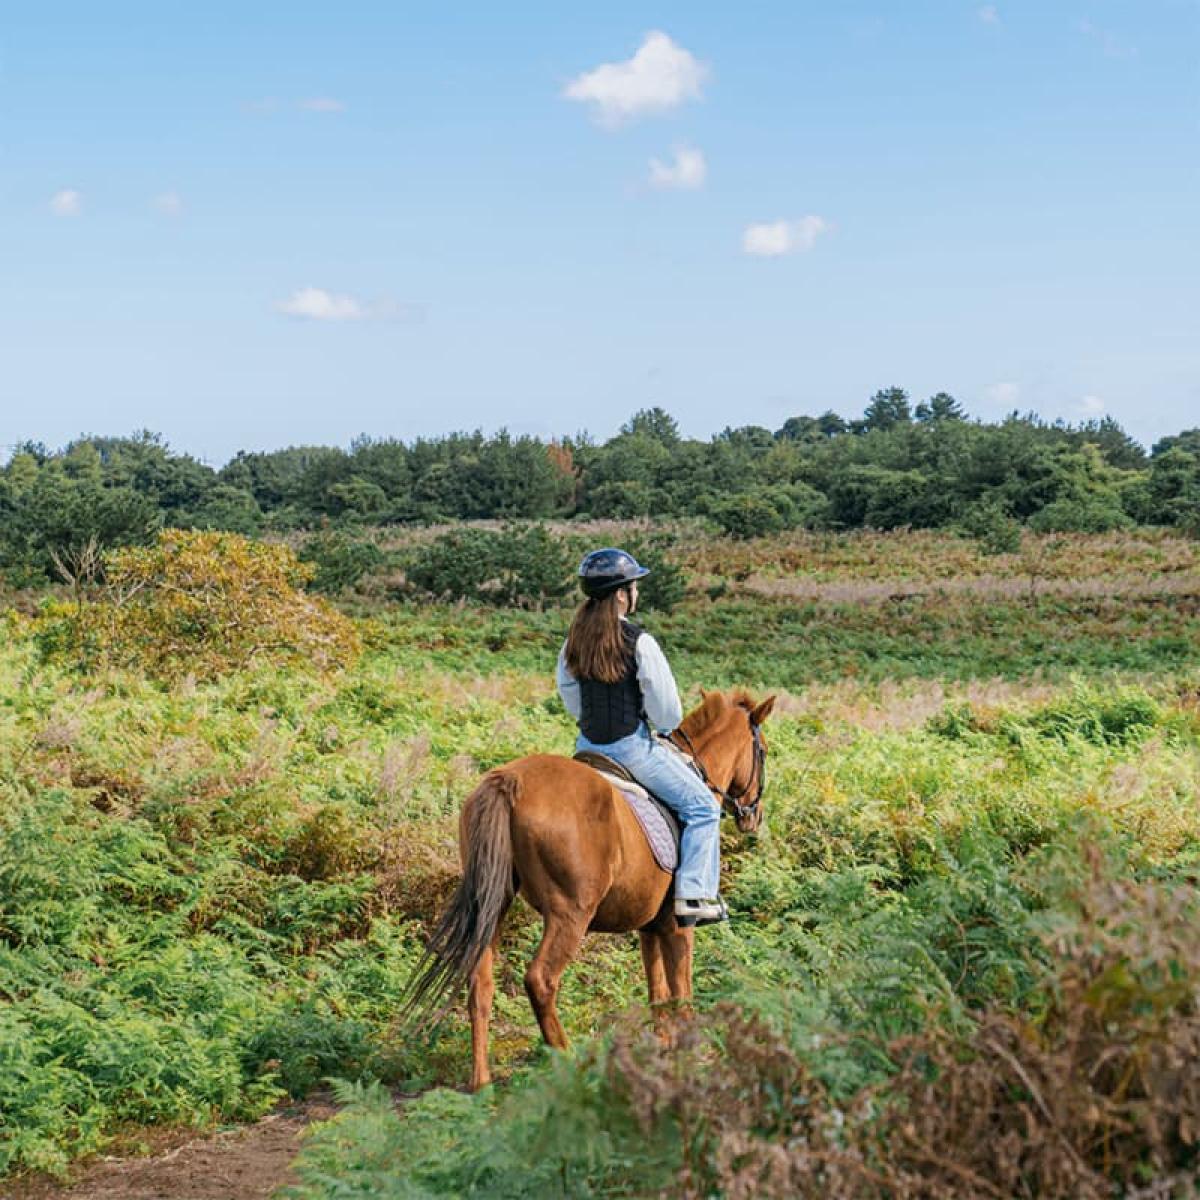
659,692
568,685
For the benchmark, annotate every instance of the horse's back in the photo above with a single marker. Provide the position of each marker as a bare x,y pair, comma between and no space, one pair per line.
577,842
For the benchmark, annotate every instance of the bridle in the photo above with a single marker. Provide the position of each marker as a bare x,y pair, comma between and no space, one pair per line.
758,774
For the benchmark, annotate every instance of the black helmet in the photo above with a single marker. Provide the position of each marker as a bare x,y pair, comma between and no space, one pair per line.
604,571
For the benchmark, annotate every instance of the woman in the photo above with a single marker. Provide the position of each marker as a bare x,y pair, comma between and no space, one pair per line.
615,681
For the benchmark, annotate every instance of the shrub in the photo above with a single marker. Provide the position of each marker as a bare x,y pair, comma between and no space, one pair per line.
534,566
1087,514
305,1043
993,529
747,516
1115,720
340,561
201,604
666,585
526,567
455,566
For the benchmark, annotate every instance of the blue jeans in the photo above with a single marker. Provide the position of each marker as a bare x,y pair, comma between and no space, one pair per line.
665,774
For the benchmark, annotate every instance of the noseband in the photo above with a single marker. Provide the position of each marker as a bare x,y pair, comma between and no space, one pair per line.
758,773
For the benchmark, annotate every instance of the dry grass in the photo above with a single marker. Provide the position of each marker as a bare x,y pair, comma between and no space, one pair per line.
402,764
928,556
980,587
906,704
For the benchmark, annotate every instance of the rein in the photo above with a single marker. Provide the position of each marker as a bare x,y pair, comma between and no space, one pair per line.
757,772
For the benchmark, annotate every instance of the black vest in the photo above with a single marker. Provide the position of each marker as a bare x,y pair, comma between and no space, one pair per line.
611,711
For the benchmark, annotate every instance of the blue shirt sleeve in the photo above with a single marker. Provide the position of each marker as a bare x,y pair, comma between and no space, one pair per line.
568,685
660,695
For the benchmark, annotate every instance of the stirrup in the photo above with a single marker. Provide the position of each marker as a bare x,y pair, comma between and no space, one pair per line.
692,913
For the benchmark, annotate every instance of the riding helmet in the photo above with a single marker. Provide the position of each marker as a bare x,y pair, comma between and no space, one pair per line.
604,571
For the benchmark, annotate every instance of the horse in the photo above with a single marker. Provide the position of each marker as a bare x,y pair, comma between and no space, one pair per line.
560,834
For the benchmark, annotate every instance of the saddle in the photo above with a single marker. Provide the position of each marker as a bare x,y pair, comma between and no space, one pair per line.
658,822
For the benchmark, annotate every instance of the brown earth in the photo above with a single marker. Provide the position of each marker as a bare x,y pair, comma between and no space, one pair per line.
249,1163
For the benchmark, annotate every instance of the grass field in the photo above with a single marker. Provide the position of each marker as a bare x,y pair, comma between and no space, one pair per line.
213,893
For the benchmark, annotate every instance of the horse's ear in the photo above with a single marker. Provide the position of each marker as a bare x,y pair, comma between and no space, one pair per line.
760,713
704,694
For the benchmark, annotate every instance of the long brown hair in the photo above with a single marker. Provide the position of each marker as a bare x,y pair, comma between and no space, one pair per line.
595,644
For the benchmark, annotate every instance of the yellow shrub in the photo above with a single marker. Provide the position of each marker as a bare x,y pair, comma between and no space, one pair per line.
201,604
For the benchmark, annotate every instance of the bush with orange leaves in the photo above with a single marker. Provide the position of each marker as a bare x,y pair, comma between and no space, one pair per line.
200,604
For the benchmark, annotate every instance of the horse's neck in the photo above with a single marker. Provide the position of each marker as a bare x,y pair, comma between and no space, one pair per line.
718,763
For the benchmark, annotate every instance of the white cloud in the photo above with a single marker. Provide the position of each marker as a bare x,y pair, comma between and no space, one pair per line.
316,304
770,239
66,203
170,204
323,104
988,15
660,76
1090,406
1002,395
687,171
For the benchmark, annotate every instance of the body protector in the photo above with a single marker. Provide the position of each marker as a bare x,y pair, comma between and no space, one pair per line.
611,711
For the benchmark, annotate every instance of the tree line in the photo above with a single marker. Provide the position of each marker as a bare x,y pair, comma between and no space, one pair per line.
924,466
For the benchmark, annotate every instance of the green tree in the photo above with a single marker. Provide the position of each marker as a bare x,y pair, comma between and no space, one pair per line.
940,407
655,423
226,507
887,409
811,429
1086,494
878,497
55,519
358,496
1117,447
1169,494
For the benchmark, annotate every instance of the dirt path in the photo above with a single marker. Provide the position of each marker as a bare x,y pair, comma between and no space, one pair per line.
249,1163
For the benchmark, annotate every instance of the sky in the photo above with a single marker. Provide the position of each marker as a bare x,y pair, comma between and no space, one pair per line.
252,226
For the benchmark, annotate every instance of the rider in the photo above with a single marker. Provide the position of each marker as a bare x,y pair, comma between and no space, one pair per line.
615,681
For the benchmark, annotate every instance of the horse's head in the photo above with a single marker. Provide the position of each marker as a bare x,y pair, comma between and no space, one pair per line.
726,738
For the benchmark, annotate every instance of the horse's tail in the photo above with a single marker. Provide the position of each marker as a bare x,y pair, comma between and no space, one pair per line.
469,924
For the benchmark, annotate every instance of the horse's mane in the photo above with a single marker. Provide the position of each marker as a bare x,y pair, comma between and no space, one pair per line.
713,707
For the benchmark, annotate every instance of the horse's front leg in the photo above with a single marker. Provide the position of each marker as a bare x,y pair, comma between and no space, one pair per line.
561,938
676,949
656,980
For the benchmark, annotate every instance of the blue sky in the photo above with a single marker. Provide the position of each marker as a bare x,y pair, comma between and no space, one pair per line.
255,226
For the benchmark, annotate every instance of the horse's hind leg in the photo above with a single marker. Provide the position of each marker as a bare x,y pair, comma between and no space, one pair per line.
562,936
479,1005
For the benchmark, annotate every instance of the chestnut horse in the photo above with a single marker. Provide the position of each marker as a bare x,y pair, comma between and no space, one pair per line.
559,833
